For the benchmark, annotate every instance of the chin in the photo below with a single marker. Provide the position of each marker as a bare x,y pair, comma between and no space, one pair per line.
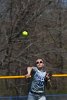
40,67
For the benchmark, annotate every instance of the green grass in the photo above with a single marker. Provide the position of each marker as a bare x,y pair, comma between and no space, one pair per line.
56,91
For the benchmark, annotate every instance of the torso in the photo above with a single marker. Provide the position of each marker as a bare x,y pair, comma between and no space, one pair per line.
38,81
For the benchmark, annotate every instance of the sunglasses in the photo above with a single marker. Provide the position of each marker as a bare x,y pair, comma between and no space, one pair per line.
39,62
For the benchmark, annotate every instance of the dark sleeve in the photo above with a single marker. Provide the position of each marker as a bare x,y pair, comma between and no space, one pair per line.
34,69
30,79
32,73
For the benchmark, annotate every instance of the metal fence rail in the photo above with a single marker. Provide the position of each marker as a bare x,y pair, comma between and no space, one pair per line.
49,97
23,76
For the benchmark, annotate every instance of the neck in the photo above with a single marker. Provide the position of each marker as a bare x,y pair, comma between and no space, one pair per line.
40,68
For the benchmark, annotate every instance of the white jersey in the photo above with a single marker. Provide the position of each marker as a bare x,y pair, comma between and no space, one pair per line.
38,81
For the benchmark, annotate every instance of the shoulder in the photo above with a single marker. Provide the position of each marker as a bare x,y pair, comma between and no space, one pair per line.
43,70
44,73
34,68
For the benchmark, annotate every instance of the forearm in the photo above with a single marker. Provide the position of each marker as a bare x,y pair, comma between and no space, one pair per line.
29,69
48,79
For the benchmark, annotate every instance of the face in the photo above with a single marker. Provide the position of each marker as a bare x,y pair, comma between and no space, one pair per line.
39,63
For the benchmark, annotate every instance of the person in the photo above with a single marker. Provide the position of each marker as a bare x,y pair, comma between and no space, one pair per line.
37,90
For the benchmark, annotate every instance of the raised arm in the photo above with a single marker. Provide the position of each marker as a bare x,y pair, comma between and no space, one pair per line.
29,69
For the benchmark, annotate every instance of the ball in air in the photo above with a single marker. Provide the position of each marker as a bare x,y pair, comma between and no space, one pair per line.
24,33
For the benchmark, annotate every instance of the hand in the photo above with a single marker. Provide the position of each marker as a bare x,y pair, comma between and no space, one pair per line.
27,75
47,76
